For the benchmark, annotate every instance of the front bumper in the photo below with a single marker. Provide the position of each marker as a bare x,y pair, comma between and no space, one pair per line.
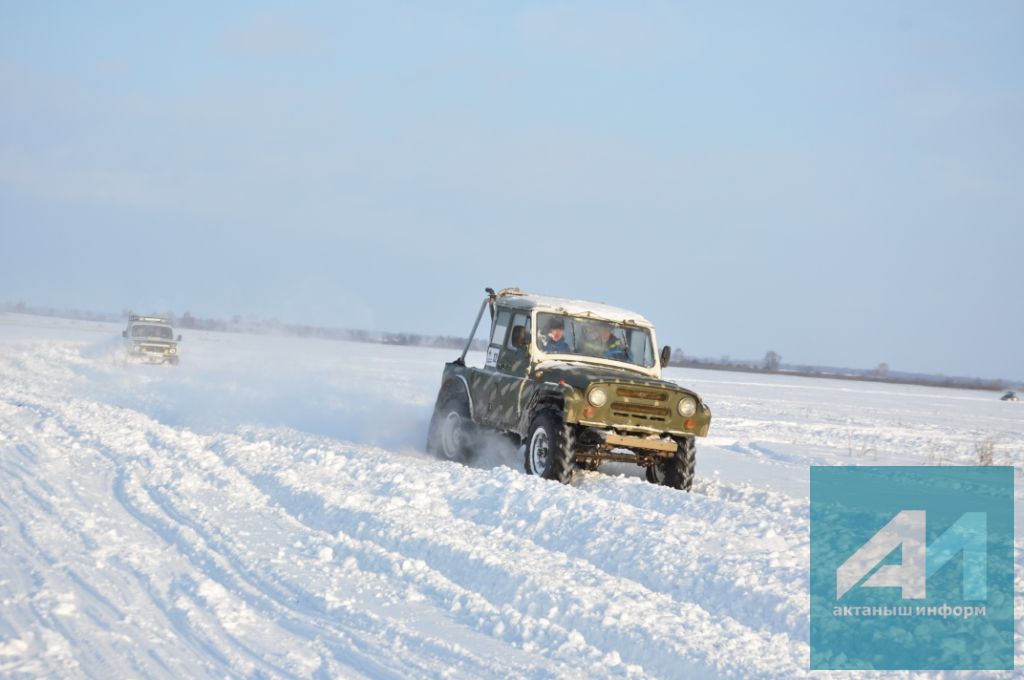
153,354
596,446
659,445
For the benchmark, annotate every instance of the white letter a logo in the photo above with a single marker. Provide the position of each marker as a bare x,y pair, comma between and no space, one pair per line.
906,529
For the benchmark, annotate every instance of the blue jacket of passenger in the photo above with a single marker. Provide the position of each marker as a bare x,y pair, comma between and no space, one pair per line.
556,346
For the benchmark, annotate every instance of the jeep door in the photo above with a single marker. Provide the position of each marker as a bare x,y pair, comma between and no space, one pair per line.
512,366
483,382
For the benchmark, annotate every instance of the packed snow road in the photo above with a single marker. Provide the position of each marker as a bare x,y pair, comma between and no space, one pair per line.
265,510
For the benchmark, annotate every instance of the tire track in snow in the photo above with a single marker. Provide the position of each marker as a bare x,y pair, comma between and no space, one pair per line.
47,608
740,572
727,573
212,556
292,606
464,605
572,598
59,527
346,645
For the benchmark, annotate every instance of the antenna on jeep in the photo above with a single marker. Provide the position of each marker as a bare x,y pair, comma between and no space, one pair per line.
491,297
488,302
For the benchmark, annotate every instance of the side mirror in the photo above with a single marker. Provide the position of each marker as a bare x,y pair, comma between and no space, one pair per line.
519,339
179,338
124,334
666,354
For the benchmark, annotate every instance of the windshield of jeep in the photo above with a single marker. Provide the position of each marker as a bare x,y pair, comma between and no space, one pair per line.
158,332
563,334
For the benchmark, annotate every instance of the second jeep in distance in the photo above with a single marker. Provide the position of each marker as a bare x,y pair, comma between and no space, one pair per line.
150,339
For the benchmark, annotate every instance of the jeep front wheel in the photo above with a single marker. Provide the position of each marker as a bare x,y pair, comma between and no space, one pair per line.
549,448
452,431
677,471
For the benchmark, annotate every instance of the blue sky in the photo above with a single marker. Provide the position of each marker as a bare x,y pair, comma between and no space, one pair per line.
839,182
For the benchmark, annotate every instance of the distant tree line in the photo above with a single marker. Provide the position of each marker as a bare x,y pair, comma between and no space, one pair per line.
771,363
21,308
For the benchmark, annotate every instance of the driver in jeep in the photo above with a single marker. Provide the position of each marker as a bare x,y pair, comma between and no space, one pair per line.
601,341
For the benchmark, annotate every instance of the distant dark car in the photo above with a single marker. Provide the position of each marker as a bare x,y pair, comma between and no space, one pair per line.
1010,396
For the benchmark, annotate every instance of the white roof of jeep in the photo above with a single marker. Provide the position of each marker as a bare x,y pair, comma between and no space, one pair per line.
148,320
517,299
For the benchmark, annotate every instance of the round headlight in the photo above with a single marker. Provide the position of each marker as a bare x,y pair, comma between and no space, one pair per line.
687,407
597,397
137,348
172,350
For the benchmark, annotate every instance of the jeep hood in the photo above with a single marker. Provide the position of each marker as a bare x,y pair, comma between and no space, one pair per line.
153,341
581,375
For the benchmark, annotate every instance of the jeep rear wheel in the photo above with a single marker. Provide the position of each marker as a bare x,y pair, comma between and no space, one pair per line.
452,432
549,448
677,471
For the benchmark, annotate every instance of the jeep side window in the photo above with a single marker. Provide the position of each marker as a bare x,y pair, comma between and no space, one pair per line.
500,328
519,321
497,338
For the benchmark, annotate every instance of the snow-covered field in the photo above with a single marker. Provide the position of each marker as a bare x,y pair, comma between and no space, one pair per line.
266,509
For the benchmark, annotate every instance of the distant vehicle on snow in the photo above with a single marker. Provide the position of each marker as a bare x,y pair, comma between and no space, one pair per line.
1010,396
150,339
579,383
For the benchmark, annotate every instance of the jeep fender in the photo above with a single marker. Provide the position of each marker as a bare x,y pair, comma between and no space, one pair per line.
455,384
559,397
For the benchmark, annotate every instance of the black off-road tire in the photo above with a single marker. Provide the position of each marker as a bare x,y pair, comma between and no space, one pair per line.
679,470
452,434
550,449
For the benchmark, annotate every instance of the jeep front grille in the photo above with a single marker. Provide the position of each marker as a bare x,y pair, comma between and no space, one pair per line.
639,412
635,393
644,405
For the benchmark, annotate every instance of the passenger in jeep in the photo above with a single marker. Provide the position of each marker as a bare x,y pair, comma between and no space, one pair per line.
601,341
555,342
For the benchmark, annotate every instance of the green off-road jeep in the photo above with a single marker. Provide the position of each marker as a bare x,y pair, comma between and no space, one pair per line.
578,383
